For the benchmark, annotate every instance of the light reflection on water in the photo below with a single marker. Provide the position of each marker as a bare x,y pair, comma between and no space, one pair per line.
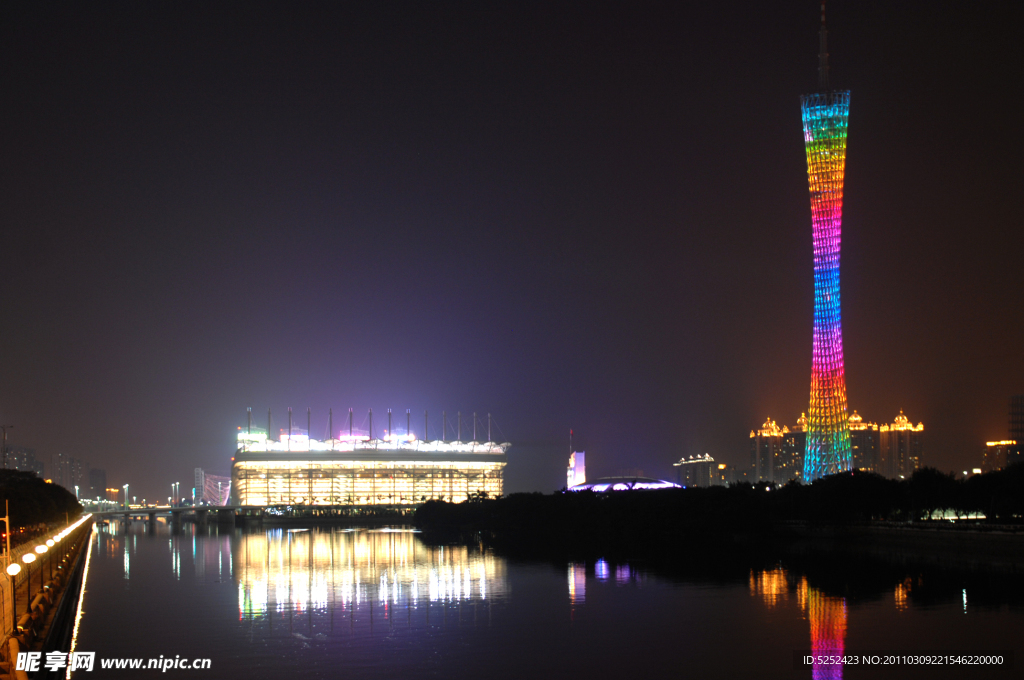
306,603
577,583
825,614
280,571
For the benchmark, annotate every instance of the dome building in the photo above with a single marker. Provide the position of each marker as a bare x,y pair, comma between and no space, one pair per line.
606,484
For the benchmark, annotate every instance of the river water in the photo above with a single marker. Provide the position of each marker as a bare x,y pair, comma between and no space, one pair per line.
334,602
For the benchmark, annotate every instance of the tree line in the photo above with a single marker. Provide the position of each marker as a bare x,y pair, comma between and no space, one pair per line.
33,501
752,511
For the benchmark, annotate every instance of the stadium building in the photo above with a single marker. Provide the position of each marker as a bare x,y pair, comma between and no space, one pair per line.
359,469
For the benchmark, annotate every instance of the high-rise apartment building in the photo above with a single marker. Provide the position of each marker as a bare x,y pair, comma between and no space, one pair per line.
68,471
997,454
1016,454
789,461
864,444
765,446
777,454
21,458
900,446
699,471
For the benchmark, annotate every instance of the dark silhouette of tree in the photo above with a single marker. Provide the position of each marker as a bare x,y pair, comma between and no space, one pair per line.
34,501
930,490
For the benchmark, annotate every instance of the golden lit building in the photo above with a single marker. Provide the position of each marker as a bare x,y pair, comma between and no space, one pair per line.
698,471
997,454
777,454
360,470
900,448
794,445
864,444
765,448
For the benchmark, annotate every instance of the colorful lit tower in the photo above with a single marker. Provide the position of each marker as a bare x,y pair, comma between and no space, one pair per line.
825,117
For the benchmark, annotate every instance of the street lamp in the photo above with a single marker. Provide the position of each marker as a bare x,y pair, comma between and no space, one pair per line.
49,544
41,551
76,492
12,567
28,558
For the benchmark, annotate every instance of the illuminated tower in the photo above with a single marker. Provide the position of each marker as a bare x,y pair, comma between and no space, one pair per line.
825,116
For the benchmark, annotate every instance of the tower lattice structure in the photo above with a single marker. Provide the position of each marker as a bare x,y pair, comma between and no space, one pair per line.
825,117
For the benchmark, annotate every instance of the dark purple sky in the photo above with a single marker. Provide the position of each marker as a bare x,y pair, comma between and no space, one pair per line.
579,215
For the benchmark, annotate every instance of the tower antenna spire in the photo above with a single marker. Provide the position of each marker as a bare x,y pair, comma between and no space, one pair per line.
823,52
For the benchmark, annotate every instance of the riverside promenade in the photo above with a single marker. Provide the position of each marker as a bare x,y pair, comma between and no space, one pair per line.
40,615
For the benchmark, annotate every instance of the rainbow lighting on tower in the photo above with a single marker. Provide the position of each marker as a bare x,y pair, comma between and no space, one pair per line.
825,117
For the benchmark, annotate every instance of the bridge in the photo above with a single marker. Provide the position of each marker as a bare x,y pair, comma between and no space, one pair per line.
201,515
258,514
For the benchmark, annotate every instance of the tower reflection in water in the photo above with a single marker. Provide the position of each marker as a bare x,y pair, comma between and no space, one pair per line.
358,572
577,574
826,615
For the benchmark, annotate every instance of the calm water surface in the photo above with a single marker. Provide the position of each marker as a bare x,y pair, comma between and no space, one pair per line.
359,603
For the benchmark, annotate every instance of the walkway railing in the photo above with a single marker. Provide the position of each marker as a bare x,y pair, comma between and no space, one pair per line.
65,542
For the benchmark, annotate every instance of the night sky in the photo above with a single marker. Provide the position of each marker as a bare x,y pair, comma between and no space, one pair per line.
585,216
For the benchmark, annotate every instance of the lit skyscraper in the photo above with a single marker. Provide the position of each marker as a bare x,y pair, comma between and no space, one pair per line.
1016,429
864,444
900,448
825,117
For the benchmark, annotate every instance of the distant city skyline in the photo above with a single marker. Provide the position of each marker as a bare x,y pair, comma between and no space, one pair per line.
588,220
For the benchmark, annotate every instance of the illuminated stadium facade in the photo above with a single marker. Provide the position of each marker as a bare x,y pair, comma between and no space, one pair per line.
360,470
825,118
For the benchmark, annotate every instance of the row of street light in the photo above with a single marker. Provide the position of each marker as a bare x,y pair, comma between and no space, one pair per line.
13,568
173,500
